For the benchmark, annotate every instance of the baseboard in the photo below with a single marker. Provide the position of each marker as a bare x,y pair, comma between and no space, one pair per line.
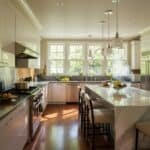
56,103
63,103
70,103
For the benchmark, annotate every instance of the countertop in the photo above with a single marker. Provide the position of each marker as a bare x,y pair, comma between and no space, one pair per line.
46,82
8,107
128,96
39,83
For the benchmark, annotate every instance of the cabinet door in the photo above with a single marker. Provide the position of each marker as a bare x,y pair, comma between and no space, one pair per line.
14,128
58,93
45,97
8,58
49,92
72,92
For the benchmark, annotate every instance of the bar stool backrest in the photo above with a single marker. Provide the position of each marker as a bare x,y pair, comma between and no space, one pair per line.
89,105
81,100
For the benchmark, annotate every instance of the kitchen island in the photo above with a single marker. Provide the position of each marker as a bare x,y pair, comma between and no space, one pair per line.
130,105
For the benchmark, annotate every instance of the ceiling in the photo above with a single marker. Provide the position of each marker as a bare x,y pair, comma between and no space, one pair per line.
79,18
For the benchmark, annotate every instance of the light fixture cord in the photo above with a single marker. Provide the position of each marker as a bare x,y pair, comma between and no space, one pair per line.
102,30
117,17
108,24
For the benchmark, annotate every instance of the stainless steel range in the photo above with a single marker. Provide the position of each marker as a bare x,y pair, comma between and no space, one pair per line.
35,111
35,99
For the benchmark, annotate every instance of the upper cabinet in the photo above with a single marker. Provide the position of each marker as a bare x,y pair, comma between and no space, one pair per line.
16,26
28,35
135,54
7,34
145,53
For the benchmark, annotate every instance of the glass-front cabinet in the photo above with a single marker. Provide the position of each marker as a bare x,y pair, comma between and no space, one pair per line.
145,63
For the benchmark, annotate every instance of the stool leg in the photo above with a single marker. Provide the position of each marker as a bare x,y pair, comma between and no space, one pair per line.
136,139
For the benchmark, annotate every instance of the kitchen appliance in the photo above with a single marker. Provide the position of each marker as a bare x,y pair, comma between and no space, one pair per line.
35,107
35,111
25,57
23,52
22,85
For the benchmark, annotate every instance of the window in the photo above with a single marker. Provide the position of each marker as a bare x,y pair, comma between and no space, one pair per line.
65,58
117,62
76,58
94,59
56,58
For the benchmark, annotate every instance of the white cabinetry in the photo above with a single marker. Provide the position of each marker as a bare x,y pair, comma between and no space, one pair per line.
63,92
14,128
45,96
72,92
57,93
135,54
8,58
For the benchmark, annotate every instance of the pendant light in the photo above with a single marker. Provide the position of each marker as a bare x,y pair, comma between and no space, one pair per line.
102,24
103,50
117,42
109,48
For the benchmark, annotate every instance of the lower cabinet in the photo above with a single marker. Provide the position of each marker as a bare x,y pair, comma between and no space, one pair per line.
72,92
14,128
57,93
45,96
63,92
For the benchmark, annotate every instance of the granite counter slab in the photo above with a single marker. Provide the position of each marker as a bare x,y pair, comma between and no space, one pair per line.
8,107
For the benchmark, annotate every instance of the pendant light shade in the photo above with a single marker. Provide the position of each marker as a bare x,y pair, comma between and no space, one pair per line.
109,47
102,25
117,42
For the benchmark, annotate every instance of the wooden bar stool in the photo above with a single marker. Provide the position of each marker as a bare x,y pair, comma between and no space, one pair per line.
143,127
83,109
99,121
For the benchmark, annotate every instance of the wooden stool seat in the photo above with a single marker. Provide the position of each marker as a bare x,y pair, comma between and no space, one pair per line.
144,127
101,116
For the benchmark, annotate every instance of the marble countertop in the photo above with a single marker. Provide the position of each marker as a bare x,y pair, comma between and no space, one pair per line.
128,96
74,81
39,83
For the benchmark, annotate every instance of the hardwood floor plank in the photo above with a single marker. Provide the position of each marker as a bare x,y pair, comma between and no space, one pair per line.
59,130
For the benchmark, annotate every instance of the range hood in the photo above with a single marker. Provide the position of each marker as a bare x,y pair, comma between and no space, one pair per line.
23,52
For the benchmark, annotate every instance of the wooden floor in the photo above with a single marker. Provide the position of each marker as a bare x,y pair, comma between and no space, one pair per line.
59,130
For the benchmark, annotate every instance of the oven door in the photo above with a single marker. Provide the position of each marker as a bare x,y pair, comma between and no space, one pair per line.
35,117
35,114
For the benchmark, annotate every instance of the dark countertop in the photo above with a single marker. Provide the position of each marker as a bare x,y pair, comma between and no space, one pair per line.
9,106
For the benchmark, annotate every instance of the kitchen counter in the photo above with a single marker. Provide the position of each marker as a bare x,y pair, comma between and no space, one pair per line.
75,81
128,96
39,83
129,105
8,107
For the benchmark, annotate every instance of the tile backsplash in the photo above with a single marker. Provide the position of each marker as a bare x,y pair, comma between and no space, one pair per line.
24,73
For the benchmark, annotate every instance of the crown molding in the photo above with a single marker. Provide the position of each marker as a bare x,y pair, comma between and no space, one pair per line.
22,4
145,30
